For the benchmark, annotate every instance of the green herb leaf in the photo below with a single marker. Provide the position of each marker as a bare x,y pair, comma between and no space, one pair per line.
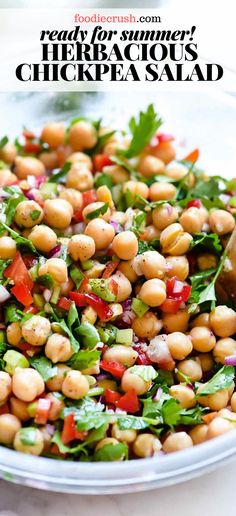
99,211
101,141
59,176
11,313
35,214
88,335
103,179
84,359
4,140
28,436
209,241
122,163
72,315
44,367
63,326
46,280
170,412
11,203
20,241
144,246
142,131
76,275
3,266
221,380
146,372
112,452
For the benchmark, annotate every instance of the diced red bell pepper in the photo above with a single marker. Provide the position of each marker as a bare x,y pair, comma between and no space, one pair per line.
29,260
64,303
185,294
163,137
111,396
78,216
195,203
18,272
110,268
101,307
42,411
114,368
192,156
31,147
22,294
170,306
27,349
83,285
89,197
70,432
114,287
28,134
100,161
129,402
31,310
176,289
55,451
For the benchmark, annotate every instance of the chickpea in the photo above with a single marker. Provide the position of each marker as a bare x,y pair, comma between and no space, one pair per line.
131,380
162,192
126,436
174,241
146,445
177,441
81,158
5,385
7,248
55,408
201,320
219,426
101,232
20,444
55,383
28,166
221,222
81,247
8,153
74,197
20,409
203,339
185,395
153,292
233,402
80,178
152,264
49,159
223,321
93,207
190,368
124,286
150,166
36,330
199,433
82,135
28,214
125,355
176,322
75,385
147,326
58,348
54,134
104,195
164,151
216,401
14,333
125,245
176,172
179,344
136,188
177,266
7,177
206,361
164,215
224,348
127,269
9,425
192,220
43,238
58,213
56,267
27,384
150,233
118,174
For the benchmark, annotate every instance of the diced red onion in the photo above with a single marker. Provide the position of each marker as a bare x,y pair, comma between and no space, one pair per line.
31,180
55,252
78,228
169,209
230,360
159,353
126,305
50,429
3,194
102,376
30,195
117,227
4,294
47,294
158,394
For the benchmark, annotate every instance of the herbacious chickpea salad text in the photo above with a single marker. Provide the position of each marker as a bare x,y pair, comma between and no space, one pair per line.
113,342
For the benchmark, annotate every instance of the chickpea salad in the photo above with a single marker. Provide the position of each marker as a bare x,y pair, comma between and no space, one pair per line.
114,341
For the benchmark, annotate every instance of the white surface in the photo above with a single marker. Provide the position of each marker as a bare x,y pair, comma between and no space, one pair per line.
210,495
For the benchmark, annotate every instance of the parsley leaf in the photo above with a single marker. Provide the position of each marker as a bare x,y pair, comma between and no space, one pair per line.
221,380
99,211
35,214
20,240
112,452
142,131
210,241
84,359
44,367
59,176
4,140
146,372
16,196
